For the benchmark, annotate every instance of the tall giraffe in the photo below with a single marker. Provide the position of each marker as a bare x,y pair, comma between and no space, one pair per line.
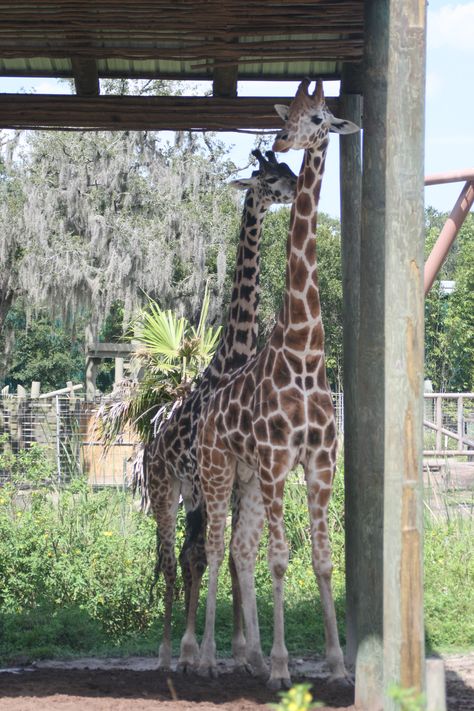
170,460
274,413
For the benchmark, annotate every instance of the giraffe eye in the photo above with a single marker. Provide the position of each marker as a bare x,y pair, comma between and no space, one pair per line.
317,120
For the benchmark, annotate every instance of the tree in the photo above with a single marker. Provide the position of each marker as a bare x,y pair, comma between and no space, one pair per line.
449,317
90,218
172,354
44,350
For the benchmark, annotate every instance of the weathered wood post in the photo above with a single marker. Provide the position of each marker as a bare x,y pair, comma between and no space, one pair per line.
119,370
351,189
404,651
388,543
365,503
92,365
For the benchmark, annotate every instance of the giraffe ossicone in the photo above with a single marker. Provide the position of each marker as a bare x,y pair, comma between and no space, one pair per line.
170,459
274,413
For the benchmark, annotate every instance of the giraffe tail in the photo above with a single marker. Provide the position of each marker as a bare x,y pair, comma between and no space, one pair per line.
157,571
195,523
139,478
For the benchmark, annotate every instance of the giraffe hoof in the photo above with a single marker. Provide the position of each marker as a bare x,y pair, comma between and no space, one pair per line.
185,668
208,671
344,680
243,668
164,667
277,684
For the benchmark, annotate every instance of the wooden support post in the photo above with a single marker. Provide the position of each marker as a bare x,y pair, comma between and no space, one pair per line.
86,76
91,377
403,629
118,375
435,685
390,358
366,508
225,79
351,187
35,389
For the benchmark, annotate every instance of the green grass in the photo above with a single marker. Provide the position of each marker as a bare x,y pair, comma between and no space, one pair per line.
76,567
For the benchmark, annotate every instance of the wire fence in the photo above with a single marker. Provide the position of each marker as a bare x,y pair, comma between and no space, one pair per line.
65,428
64,425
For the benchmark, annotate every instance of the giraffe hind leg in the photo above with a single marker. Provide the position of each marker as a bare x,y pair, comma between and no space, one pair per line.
165,508
193,565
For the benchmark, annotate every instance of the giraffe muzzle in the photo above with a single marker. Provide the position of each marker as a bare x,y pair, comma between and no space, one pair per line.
281,145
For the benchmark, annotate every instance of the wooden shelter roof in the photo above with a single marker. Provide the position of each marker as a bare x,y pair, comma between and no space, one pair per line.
220,40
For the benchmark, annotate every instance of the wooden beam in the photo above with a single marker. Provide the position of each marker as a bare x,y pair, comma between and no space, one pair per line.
86,76
119,113
109,350
292,73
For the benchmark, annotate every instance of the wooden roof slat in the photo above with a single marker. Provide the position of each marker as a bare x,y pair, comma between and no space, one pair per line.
22,111
221,40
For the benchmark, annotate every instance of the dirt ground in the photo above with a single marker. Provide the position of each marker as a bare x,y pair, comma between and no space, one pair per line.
135,684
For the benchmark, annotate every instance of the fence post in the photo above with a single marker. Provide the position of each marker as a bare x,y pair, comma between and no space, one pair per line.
439,422
460,421
58,438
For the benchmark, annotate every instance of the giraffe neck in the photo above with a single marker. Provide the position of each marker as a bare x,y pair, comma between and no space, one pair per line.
302,303
239,340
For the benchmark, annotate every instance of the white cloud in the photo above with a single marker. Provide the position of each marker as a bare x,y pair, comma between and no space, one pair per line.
452,27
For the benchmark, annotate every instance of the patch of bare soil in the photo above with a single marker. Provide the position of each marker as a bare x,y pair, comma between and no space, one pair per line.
135,684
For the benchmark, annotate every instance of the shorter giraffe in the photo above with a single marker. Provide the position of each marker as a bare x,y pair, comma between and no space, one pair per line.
170,460
274,413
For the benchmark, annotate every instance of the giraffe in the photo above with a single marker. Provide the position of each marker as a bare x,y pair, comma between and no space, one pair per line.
170,460
274,413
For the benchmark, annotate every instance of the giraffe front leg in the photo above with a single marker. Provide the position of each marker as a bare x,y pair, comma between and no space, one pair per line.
278,556
247,529
319,487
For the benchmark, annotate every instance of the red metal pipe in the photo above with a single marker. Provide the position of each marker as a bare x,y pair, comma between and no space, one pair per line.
453,176
448,234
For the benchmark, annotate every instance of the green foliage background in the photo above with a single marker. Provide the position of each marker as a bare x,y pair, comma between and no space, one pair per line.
76,568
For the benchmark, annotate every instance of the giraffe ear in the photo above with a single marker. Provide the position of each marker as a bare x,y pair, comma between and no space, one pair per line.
282,111
342,126
242,183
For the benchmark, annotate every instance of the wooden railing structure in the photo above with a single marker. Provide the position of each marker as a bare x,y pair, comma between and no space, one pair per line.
64,424
450,417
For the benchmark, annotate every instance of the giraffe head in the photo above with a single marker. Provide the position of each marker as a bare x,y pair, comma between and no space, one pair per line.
273,182
308,120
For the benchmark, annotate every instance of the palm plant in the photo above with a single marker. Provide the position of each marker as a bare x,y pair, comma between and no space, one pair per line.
170,355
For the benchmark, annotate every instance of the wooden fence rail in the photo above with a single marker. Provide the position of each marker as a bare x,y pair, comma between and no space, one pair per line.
451,417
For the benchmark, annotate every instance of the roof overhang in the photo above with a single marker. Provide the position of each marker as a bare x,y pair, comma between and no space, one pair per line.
224,41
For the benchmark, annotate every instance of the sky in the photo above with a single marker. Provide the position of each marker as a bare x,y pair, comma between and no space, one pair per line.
449,135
